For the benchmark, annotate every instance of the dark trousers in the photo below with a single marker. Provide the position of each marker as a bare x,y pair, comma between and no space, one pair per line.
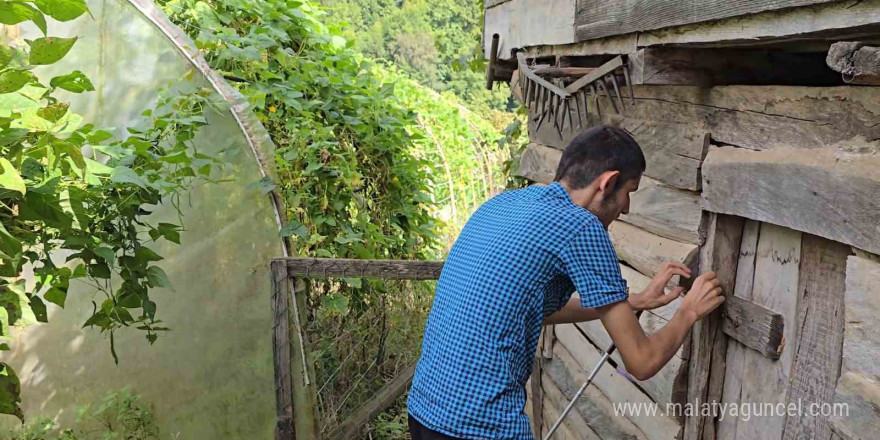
419,432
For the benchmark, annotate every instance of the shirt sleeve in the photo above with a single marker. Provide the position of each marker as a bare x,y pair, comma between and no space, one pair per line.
590,262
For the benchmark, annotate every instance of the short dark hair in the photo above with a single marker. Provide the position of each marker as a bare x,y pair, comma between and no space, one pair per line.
597,150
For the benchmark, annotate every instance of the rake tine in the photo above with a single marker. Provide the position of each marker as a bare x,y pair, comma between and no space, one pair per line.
617,90
607,95
568,114
586,107
577,104
629,84
595,93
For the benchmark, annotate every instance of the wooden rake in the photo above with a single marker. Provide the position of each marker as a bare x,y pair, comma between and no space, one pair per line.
550,102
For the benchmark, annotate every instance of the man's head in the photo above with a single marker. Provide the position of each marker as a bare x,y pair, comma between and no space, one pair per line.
599,169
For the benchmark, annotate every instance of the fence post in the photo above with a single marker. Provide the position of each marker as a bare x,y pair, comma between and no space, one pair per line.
280,294
305,393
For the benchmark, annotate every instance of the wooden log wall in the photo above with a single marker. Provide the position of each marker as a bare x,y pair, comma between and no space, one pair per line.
802,164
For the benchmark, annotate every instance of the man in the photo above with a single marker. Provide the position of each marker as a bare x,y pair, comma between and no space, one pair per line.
514,267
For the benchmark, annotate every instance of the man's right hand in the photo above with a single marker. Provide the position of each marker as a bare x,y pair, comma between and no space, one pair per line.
704,297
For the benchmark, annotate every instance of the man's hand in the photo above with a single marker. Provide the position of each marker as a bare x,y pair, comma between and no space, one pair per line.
705,295
655,295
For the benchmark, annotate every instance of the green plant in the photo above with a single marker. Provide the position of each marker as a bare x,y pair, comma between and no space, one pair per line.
75,201
120,415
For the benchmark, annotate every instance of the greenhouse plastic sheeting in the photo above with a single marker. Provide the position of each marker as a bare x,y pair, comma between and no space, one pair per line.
211,376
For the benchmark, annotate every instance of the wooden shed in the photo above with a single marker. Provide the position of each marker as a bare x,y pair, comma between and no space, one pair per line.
761,127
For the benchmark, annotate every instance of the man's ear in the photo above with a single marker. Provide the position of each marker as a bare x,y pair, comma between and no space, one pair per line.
608,180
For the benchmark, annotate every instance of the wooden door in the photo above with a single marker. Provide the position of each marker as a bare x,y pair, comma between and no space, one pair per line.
800,276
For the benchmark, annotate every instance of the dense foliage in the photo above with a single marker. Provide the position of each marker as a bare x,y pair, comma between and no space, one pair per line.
74,201
120,415
436,42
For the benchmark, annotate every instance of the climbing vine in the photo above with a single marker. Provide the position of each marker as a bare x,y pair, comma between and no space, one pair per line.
75,200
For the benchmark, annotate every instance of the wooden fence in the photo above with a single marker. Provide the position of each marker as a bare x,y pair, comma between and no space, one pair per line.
296,391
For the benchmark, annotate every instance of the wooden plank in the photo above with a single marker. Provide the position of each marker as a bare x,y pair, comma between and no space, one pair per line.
756,327
280,295
547,339
857,62
768,117
537,394
305,395
832,21
745,275
859,383
601,19
618,388
708,67
538,163
385,397
554,403
345,267
666,211
775,287
829,193
522,23
673,151
605,69
709,347
647,252
594,406
820,318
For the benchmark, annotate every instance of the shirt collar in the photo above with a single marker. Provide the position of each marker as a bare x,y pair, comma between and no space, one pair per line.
555,189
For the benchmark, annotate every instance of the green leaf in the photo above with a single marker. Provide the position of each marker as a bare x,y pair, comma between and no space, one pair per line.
5,55
39,309
13,80
294,228
144,255
9,177
12,135
48,50
122,174
156,277
15,12
62,10
10,392
76,82
99,270
56,296
53,112
107,254
336,303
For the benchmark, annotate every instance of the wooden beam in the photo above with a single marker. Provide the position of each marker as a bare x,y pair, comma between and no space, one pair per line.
647,252
666,211
754,326
538,163
383,399
709,346
832,21
305,393
819,344
601,19
537,395
859,383
556,401
614,385
344,267
830,193
708,67
857,62
280,294
767,117
566,375
674,152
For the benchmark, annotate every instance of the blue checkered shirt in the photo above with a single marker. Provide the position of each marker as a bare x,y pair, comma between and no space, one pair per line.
518,259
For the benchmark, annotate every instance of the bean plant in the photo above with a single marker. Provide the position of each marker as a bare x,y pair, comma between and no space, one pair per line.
75,201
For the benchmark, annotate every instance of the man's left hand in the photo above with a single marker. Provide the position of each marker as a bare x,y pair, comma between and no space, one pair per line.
655,294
